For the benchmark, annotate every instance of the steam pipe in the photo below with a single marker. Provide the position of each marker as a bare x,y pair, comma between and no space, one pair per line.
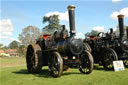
121,26
71,11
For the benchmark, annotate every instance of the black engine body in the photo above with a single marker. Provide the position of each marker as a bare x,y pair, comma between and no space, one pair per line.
119,43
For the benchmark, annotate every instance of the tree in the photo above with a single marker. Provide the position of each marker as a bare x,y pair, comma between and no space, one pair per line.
21,50
14,45
1,46
117,30
92,33
6,47
53,24
29,34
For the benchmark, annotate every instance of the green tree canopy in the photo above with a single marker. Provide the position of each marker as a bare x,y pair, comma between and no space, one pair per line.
53,24
21,50
1,46
92,33
29,34
14,45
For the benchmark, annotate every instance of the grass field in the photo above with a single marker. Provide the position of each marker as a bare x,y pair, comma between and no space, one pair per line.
18,75
12,61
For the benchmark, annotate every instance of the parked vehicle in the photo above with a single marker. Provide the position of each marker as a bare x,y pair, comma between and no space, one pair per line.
59,51
109,47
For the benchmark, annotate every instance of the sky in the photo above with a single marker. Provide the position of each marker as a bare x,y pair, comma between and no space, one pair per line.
100,15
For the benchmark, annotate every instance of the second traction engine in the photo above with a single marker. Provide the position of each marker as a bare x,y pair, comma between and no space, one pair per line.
110,46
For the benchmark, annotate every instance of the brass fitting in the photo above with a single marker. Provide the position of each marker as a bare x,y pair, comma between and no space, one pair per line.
120,16
71,7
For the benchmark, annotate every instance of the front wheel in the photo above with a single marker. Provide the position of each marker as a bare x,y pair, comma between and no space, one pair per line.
87,63
55,64
109,55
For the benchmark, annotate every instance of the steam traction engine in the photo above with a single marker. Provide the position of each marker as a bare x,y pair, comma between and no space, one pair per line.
108,47
59,51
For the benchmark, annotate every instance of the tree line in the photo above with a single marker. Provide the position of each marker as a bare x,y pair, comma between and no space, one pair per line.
30,33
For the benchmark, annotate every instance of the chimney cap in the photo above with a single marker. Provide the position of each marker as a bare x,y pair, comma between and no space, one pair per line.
120,16
71,7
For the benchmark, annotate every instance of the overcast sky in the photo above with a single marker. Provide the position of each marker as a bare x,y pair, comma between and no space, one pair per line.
89,14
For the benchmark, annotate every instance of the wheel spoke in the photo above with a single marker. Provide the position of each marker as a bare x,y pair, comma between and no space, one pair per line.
109,56
86,63
33,60
55,65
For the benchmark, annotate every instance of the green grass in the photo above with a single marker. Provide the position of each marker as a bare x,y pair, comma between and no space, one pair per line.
7,60
18,75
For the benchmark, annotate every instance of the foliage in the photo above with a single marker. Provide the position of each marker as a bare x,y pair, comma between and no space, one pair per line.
21,50
1,46
51,19
14,45
29,34
53,24
92,33
6,47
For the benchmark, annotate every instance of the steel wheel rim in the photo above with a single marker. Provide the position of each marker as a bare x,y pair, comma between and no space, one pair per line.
109,60
85,64
30,58
55,64
111,56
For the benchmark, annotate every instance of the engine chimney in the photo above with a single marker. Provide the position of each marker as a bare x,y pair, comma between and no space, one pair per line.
111,30
121,26
71,11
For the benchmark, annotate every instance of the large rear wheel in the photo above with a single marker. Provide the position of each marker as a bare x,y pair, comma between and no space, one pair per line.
55,64
109,55
87,63
87,47
34,58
